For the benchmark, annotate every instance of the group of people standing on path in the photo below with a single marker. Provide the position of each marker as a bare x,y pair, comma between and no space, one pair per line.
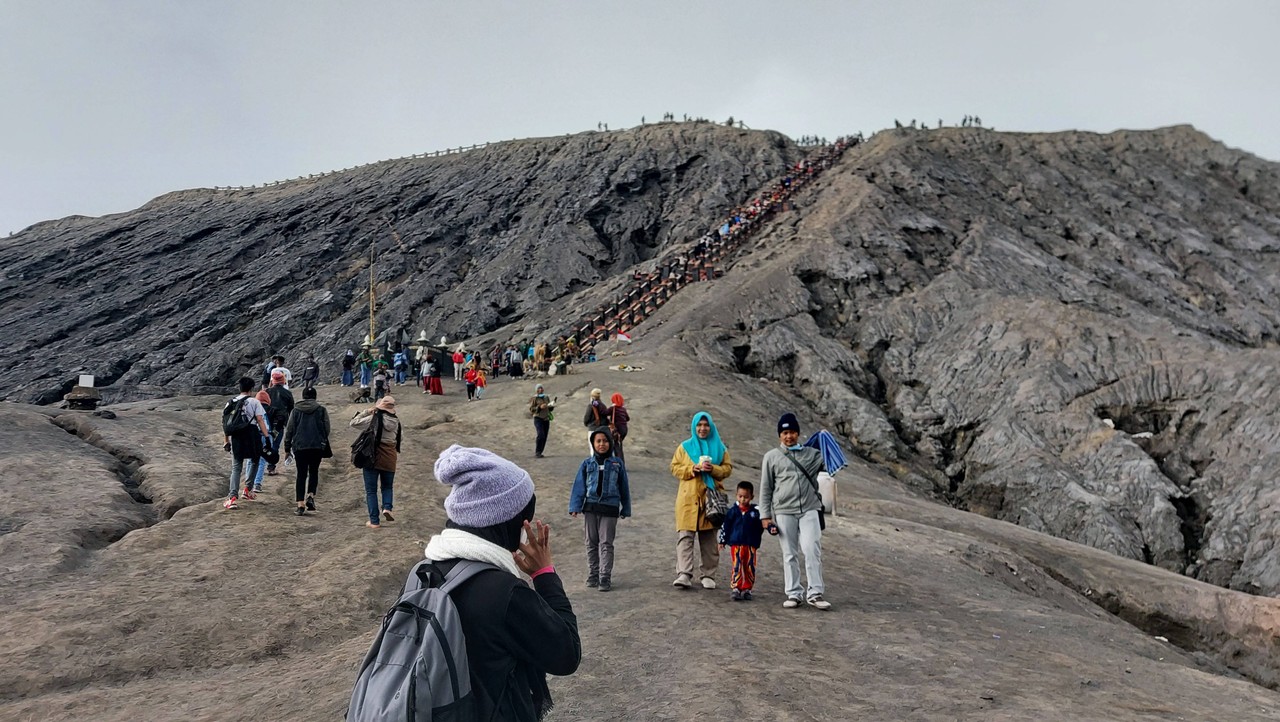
790,508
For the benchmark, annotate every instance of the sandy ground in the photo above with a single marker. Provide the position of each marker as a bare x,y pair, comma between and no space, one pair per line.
257,614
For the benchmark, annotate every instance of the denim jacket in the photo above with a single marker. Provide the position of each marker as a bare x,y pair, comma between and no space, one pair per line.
588,492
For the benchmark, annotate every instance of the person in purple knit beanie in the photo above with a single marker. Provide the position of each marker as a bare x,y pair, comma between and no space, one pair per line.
517,614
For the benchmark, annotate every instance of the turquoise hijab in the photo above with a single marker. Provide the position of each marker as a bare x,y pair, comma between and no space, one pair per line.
710,446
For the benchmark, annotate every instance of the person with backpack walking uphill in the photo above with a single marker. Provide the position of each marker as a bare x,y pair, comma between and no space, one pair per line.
514,632
382,471
244,424
306,438
281,406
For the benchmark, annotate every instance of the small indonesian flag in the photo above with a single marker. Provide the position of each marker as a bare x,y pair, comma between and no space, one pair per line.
624,337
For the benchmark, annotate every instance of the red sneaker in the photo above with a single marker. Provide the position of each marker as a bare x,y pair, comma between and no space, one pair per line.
249,493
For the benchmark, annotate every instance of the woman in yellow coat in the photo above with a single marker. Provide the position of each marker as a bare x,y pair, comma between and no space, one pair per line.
699,463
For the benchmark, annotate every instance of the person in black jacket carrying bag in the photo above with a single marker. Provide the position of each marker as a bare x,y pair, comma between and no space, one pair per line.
306,439
517,631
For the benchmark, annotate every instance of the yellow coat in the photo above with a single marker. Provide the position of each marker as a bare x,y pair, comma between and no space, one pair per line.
692,494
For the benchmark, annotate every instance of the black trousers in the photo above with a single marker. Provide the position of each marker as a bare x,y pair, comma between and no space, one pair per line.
542,426
308,462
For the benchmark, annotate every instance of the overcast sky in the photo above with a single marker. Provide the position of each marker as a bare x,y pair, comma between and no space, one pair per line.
105,105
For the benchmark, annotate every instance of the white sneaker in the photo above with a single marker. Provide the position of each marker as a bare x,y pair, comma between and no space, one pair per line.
791,603
708,583
817,602
683,581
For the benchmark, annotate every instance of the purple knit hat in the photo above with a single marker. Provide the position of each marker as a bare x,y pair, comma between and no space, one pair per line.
487,489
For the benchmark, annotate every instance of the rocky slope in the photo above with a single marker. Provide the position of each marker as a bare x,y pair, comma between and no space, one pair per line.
1072,332
188,291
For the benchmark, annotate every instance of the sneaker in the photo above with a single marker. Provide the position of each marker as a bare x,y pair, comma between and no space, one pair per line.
593,582
684,581
230,503
371,525
605,585
746,595
311,503
735,596
817,602
249,494
791,603
257,489
708,583
386,514
300,511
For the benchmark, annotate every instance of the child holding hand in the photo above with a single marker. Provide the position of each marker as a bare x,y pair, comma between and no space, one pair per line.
742,531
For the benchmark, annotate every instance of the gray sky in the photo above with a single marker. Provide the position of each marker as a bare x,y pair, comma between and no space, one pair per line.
105,105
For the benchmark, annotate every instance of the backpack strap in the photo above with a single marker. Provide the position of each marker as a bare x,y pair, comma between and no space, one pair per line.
426,574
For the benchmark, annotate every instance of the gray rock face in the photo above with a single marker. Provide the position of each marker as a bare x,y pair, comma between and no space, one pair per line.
1072,332
195,288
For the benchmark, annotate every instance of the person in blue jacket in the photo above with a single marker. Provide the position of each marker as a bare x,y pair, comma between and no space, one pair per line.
742,531
602,496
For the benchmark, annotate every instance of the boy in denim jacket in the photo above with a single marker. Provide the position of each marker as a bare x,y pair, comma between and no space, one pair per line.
742,531
602,495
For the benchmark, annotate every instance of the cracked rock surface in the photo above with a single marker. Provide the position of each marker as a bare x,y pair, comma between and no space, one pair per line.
1073,332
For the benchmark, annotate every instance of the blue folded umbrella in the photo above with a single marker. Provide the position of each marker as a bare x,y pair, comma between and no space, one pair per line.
832,455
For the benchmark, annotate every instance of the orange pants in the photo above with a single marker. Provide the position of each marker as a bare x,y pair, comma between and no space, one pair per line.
744,567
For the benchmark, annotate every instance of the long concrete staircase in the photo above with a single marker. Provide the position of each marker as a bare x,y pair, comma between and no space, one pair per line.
705,258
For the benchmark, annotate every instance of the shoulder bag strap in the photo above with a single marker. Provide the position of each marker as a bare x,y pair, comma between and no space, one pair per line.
813,482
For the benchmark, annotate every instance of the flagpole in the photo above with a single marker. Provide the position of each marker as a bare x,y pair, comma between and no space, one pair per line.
371,294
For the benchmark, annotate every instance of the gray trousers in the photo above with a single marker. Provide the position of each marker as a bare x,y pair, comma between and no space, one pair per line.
800,533
238,469
707,546
598,532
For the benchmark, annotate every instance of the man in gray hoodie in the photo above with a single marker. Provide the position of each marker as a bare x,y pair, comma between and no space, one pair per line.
789,497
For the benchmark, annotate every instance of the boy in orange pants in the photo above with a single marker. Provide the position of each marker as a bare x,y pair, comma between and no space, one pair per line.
742,531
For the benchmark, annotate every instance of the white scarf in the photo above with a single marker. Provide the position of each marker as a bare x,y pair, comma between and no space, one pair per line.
458,544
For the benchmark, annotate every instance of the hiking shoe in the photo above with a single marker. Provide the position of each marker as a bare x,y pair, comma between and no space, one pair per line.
300,511
311,503
684,581
593,581
817,602
605,585
249,494
735,595
230,503
746,595
708,583
791,603
386,514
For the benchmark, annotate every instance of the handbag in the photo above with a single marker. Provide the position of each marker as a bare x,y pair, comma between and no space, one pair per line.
365,448
326,451
822,517
715,506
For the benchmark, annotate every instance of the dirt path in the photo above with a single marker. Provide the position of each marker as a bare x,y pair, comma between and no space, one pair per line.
257,614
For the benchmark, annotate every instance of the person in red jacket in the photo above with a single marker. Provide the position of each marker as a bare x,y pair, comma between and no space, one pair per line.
472,377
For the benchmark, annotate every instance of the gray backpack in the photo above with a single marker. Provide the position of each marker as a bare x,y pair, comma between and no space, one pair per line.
417,667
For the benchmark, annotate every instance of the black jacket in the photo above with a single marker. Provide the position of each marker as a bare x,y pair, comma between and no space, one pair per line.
308,427
281,405
515,635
